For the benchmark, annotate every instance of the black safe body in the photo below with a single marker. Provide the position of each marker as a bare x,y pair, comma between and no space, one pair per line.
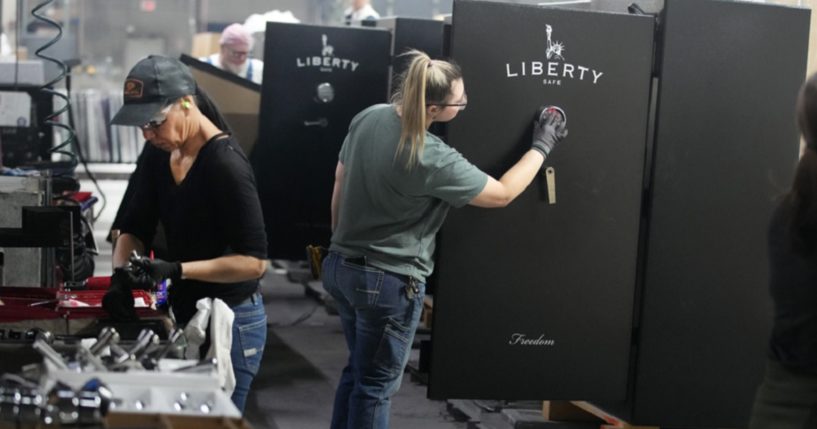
643,288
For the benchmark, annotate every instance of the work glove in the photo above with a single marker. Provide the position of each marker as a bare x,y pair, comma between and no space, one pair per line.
157,269
548,130
118,300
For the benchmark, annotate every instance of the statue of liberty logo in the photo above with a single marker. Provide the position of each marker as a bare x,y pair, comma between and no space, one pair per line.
554,49
328,50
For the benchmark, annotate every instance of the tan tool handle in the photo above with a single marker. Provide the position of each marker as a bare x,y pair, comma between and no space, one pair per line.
550,176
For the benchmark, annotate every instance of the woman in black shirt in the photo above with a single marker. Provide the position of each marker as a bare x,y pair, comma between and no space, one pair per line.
787,398
195,180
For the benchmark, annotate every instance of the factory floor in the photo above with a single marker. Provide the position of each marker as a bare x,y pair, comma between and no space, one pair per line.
304,355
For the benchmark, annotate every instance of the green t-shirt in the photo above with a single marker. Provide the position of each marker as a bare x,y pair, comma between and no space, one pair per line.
391,214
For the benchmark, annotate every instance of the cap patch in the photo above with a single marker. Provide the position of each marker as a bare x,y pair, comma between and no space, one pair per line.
133,88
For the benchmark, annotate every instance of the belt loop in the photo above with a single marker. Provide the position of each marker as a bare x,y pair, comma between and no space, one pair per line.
254,298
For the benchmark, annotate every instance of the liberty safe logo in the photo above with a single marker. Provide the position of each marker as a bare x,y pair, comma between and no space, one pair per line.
327,61
553,68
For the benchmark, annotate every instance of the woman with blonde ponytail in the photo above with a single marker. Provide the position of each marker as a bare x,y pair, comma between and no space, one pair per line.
394,185
787,397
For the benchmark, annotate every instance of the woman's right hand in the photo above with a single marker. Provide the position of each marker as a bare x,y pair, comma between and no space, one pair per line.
118,300
547,131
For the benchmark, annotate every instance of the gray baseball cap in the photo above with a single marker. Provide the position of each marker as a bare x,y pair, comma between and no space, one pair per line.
153,83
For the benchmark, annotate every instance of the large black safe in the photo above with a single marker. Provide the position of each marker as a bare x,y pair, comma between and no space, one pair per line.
725,149
426,35
643,288
541,291
316,79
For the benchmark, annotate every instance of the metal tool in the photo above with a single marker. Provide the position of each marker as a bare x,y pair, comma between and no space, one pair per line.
131,359
94,401
62,406
50,354
84,355
146,339
204,366
44,335
172,339
106,337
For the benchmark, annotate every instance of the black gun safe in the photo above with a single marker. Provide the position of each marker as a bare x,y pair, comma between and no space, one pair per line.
426,35
544,289
643,288
725,149
316,79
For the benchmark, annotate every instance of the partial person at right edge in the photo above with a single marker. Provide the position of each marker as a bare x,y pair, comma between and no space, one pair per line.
394,185
787,397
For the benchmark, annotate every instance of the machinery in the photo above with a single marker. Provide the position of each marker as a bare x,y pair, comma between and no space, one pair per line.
84,382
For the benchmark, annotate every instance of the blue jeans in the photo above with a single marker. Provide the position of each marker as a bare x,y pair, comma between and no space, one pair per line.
249,337
380,312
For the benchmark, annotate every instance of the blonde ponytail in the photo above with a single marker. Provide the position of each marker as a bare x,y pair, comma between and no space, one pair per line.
425,82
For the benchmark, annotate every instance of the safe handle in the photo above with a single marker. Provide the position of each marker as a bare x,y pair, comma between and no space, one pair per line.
322,122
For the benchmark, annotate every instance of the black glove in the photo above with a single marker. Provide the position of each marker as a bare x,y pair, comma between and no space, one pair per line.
158,269
118,300
547,131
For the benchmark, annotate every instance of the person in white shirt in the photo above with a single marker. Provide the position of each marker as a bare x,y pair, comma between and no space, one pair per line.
234,56
361,10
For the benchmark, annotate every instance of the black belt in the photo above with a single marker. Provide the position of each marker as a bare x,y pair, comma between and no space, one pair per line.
361,261
250,299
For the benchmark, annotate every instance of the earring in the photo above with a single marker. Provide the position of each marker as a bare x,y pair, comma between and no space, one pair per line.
185,104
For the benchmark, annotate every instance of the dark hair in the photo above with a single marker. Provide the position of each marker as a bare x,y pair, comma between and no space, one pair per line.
802,198
209,109
424,81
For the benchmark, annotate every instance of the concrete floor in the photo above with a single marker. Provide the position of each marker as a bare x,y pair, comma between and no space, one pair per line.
302,364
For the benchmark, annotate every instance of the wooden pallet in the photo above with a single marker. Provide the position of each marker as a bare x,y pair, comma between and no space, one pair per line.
584,411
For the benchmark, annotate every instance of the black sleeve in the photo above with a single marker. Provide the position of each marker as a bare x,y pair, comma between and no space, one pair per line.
237,203
139,210
120,213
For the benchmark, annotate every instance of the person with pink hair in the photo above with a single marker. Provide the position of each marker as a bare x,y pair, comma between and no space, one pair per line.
234,56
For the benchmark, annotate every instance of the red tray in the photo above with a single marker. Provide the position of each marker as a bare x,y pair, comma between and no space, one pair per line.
32,303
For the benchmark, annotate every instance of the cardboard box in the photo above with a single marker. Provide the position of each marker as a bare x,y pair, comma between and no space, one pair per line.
205,44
